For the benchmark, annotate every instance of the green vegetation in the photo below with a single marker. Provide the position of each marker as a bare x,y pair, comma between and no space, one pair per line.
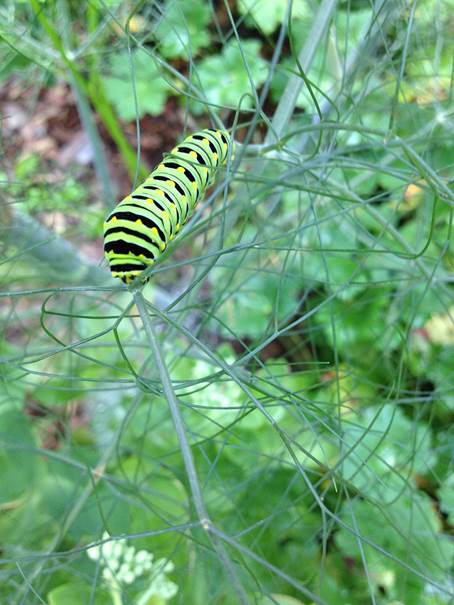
269,420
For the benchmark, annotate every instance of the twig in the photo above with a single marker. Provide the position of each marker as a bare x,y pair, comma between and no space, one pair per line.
186,452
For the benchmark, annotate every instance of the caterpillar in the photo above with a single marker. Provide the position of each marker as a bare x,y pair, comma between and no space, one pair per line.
139,228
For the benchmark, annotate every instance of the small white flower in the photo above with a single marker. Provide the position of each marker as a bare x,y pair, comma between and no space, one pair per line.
168,589
165,565
129,553
117,550
122,564
143,556
94,552
113,564
108,575
129,577
124,571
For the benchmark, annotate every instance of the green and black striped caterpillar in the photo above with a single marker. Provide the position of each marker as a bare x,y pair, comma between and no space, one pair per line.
140,227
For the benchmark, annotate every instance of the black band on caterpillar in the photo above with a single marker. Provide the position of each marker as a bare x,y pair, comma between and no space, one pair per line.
140,227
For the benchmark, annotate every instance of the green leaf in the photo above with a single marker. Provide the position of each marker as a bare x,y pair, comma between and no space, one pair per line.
256,304
77,594
279,599
56,391
14,63
217,402
151,89
325,71
234,83
407,529
446,496
361,325
383,450
17,447
183,31
27,166
268,14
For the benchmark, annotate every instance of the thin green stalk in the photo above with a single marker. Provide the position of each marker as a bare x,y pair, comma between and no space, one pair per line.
287,104
403,65
88,123
370,38
186,452
115,593
271,568
94,91
99,157
169,393
46,247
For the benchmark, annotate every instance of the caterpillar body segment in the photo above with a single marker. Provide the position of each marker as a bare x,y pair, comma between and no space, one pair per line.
139,228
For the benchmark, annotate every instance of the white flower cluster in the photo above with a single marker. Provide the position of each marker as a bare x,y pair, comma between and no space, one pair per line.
122,564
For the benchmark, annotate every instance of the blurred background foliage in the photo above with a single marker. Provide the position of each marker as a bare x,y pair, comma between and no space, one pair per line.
305,315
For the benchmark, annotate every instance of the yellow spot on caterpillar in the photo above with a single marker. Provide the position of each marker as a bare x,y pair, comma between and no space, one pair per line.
165,214
225,146
183,198
139,222
154,231
193,154
114,218
141,256
160,192
215,156
205,141
150,201
161,167
180,169
171,237
162,247
177,227
170,183
194,186
205,171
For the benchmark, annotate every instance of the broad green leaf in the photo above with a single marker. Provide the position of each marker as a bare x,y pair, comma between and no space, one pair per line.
18,451
78,594
27,167
384,450
277,508
217,401
407,529
346,388
258,300
446,496
268,14
224,79
183,29
361,325
326,69
279,599
56,391
151,89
